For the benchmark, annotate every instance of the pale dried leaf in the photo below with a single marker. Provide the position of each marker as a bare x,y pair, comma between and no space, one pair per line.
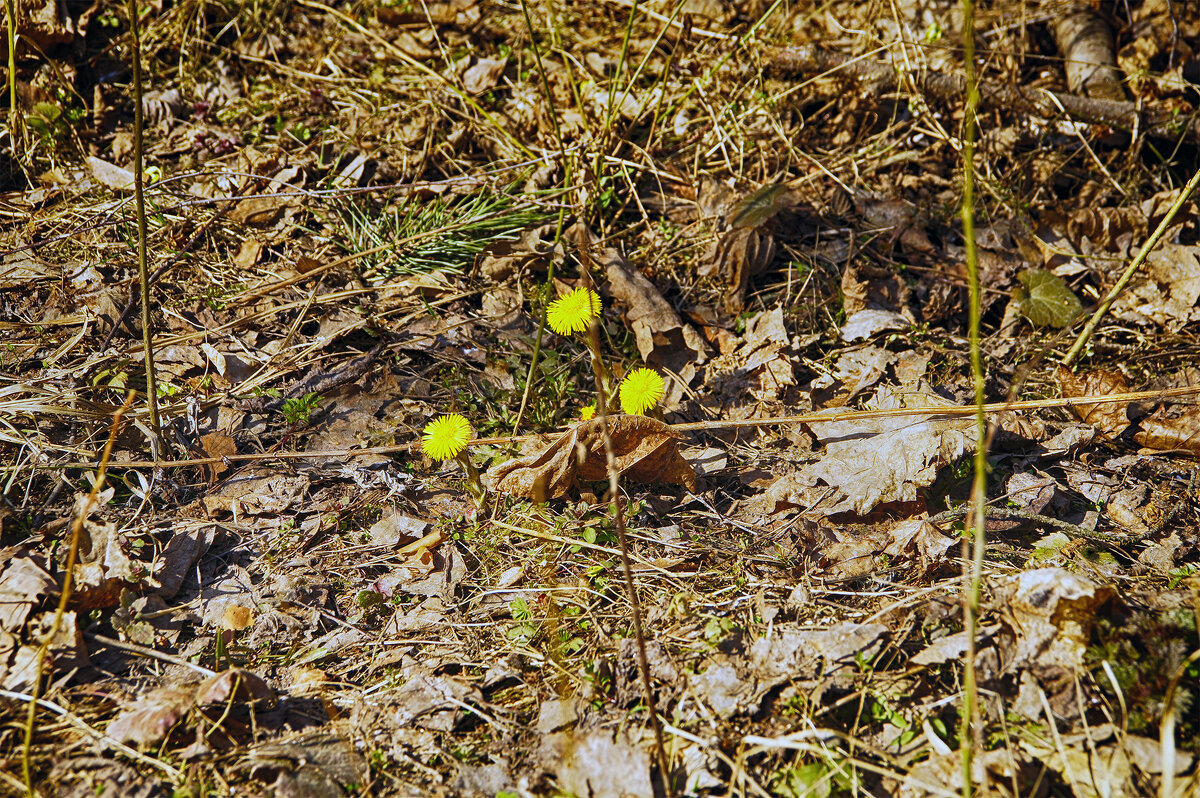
110,175
870,322
592,763
875,460
1167,292
1050,614
23,583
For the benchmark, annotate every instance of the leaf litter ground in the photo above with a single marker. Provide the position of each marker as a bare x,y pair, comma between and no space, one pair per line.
358,217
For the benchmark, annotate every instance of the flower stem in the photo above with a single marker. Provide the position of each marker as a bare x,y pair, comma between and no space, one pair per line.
474,484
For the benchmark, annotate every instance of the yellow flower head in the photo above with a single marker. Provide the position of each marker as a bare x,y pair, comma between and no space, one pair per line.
587,413
445,436
641,390
574,312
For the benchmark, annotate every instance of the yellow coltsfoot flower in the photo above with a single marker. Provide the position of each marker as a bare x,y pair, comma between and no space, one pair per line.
446,436
587,413
574,312
641,391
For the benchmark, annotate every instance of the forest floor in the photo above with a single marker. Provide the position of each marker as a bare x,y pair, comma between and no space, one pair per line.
357,215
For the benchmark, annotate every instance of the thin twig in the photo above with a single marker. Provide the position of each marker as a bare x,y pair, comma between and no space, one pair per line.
635,607
1045,520
950,411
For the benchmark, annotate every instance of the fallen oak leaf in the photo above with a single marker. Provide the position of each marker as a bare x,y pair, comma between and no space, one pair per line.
1161,432
646,450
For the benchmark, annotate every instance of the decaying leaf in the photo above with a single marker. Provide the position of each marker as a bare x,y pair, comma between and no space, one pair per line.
1166,432
256,491
150,719
876,460
103,569
1046,300
23,583
1111,418
217,444
312,764
739,254
434,701
663,339
1051,613
739,682
646,450
1167,293
235,684
18,663
592,763
182,551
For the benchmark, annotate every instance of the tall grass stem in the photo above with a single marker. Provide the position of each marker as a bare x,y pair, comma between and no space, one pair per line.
971,734
139,194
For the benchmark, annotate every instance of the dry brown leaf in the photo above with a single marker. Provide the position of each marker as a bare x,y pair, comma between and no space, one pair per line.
646,451
234,684
23,583
1166,293
740,254
110,175
182,551
257,491
1110,418
865,285
483,75
592,763
1162,433
248,254
1050,613
103,569
663,339
217,444
151,718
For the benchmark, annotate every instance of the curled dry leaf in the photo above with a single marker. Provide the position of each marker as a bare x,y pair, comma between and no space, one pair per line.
1163,433
646,450
150,719
663,339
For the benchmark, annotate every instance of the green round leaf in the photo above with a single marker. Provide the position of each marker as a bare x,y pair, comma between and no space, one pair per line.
1046,300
